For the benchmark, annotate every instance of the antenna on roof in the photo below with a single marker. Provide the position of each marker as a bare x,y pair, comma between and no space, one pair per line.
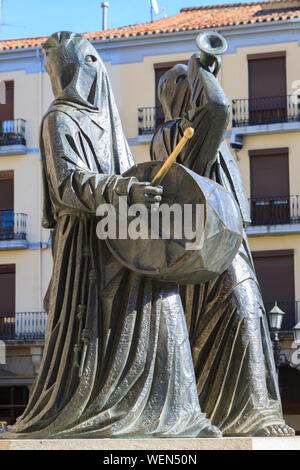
1,12
104,6
2,17
153,8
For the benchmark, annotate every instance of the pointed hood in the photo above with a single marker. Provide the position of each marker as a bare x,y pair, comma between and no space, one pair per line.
79,78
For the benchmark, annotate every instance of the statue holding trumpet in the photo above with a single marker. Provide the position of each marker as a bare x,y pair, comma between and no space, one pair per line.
231,348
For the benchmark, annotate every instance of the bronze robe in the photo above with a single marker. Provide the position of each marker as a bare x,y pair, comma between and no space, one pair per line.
138,377
231,346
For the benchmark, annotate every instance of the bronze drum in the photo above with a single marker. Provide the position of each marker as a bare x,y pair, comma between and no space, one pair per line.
169,259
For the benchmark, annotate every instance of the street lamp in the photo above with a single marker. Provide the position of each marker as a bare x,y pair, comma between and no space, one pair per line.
275,322
3,425
296,331
275,318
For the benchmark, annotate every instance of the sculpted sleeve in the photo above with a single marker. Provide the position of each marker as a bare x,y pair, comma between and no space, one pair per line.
70,182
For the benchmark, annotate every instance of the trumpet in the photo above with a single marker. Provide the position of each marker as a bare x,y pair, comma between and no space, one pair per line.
211,45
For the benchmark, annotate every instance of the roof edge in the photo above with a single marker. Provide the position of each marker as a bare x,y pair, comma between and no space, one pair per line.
236,5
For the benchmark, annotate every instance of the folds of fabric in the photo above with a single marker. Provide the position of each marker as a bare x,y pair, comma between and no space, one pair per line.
231,346
231,350
138,377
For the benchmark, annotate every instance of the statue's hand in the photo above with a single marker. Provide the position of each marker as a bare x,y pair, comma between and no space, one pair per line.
217,65
213,67
144,193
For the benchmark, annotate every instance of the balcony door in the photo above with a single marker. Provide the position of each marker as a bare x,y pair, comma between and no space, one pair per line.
7,108
289,383
6,205
13,401
275,273
267,88
7,114
269,181
7,301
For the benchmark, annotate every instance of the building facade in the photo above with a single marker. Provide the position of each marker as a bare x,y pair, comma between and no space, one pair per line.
261,76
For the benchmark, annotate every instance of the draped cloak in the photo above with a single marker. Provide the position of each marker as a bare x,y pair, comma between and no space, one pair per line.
137,377
231,347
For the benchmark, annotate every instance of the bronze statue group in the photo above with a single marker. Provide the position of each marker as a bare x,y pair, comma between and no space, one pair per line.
128,355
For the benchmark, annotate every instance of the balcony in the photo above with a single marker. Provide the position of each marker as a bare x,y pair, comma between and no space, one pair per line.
245,112
149,118
265,111
24,326
31,326
12,230
12,137
275,210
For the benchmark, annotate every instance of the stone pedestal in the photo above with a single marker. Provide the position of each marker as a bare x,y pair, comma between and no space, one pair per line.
234,443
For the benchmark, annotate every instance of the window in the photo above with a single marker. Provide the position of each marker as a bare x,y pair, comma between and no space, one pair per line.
160,69
6,205
7,288
269,178
7,109
267,88
289,382
13,401
7,301
275,273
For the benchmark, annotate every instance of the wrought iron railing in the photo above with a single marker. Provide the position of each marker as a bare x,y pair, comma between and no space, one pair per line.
32,325
149,119
245,112
12,132
12,225
275,210
23,326
267,110
291,308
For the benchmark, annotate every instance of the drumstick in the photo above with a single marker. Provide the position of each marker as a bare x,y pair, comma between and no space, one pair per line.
188,134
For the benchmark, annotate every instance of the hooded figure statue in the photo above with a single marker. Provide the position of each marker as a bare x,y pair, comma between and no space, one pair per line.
117,358
231,347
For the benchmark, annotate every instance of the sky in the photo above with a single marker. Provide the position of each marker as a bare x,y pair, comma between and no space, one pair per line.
30,18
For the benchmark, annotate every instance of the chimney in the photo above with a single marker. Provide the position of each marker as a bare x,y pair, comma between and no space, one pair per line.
104,6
